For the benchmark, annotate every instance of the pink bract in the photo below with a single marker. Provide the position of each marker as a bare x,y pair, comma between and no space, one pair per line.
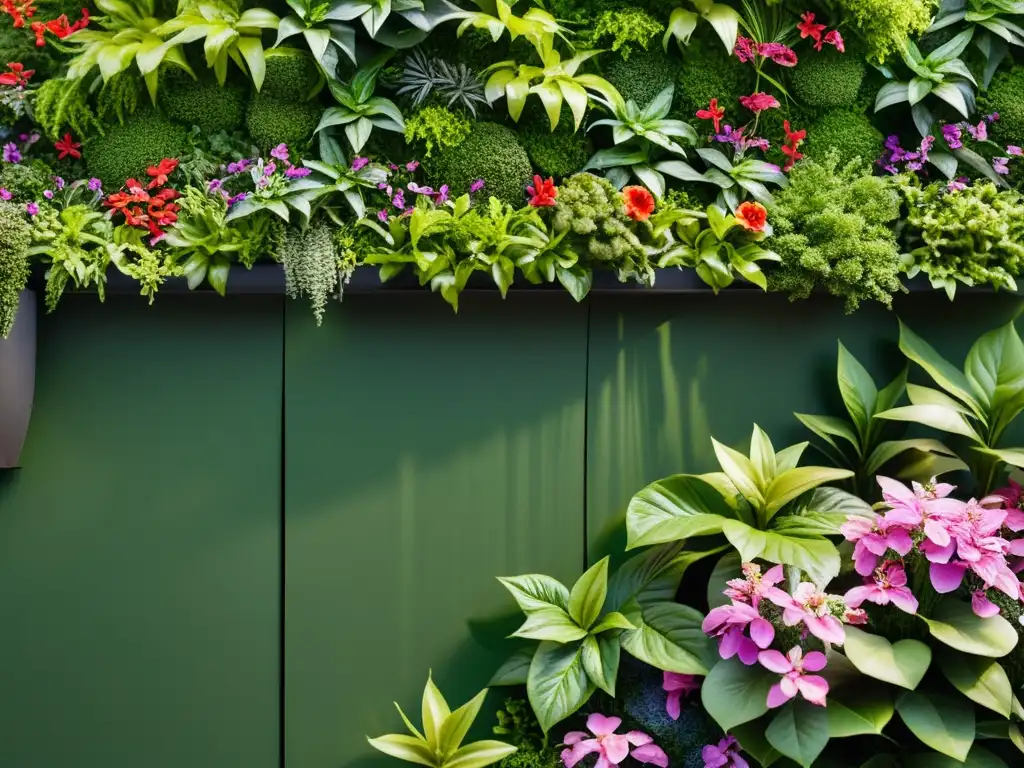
678,685
794,667
612,748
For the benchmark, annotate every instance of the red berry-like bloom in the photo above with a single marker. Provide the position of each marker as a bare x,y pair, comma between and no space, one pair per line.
543,192
752,216
639,203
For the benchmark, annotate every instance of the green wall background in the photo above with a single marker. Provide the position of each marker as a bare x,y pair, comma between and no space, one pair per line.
238,537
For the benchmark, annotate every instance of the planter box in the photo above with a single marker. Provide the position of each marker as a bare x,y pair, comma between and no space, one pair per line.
17,381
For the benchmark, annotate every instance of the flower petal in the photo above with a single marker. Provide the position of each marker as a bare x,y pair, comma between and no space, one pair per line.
946,577
776,697
983,606
599,725
813,688
774,662
615,746
815,661
762,632
651,753
672,704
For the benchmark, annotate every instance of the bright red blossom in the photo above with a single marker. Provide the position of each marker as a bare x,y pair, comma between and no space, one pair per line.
759,102
67,146
159,173
834,38
714,113
809,29
59,27
793,139
18,75
19,11
542,193
153,212
639,203
752,216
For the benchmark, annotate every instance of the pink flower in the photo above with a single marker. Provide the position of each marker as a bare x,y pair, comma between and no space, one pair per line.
280,152
754,585
781,54
358,163
612,748
476,186
725,754
759,102
889,585
834,38
809,605
745,50
982,606
728,622
794,667
677,686
873,539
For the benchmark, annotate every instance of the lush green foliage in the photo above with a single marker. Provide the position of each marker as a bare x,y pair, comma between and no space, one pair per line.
829,81
203,102
849,134
435,129
15,236
491,152
126,151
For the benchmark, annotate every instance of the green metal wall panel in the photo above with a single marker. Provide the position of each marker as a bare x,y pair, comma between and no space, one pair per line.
426,453
140,543
667,372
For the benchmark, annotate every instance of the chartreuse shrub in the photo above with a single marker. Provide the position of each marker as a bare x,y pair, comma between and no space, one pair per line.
491,152
885,26
203,101
848,134
15,237
624,30
832,230
126,151
436,128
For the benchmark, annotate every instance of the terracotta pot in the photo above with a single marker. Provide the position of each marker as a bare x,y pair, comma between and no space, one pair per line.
17,381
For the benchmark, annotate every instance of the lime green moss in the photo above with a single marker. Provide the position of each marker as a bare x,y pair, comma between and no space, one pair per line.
491,152
125,151
202,102
26,181
827,80
436,128
849,134
273,121
15,236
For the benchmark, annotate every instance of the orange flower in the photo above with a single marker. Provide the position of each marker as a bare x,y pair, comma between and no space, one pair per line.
639,203
752,216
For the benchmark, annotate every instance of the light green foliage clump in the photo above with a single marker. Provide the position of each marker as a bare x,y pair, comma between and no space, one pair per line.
974,236
709,72
15,236
886,25
202,102
828,80
848,133
26,181
63,105
532,757
557,153
272,121
126,151
290,77
643,75
832,229
436,128
310,266
119,97
1005,95
491,152
623,30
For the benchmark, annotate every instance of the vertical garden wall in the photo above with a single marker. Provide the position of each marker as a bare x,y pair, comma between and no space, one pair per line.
237,537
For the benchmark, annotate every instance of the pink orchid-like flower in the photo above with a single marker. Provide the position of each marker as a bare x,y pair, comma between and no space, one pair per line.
728,622
754,585
888,585
678,685
873,538
724,754
612,748
759,102
794,667
809,606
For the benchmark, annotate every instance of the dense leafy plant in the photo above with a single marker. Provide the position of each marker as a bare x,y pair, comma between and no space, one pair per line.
359,111
15,236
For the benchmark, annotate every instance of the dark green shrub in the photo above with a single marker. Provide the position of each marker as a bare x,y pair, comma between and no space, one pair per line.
291,75
491,152
708,72
559,153
828,80
1005,95
847,133
643,75
126,151
202,102
272,121
15,235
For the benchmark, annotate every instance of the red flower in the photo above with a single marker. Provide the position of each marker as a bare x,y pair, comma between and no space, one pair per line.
543,192
18,76
809,29
67,146
745,50
793,139
160,172
59,27
834,38
714,113
752,216
781,54
759,102
18,11
639,203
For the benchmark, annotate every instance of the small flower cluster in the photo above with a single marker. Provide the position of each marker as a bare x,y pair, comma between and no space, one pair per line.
750,50
16,76
63,195
724,754
817,32
264,178
790,147
152,207
738,139
747,628
954,537
59,27
18,10
400,183
611,747
894,155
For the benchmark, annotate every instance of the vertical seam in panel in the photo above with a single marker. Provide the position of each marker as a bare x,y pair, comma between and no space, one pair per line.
586,426
281,557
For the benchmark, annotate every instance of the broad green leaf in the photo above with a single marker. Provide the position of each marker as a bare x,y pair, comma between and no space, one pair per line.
434,712
891,93
676,507
558,684
903,663
479,754
858,710
857,389
788,458
407,748
796,482
1012,456
516,668
550,623
832,505
740,470
889,450
726,22
457,724
995,369
942,372
978,757
610,621
535,590
800,731
945,723
652,576
981,680
934,416
954,623
669,636
751,736
827,427
728,567
734,693
815,556
680,26
588,594
600,656
928,396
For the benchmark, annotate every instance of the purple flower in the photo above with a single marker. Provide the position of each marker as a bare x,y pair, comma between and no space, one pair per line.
951,133
239,166
725,754
412,165
237,198
23,137
958,184
914,165
95,185
382,215
759,143
214,185
392,166
926,146
441,196
420,190
58,182
297,173
32,209
1014,150
5,194
280,152
399,200
358,163
999,165
48,194
993,117
978,132
268,169
11,153
477,185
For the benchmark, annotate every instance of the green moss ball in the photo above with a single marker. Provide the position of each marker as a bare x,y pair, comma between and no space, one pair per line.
202,102
26,181
558,154
850,134
828,80
126,151
272,121
491,152
1006,96
708,72
290,76
643,75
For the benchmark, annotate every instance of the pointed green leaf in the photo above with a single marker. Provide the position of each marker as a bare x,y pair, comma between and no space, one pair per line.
669,636
516,668
944,723
815,555
954,623
406,748
740,470
800,731
587,597
795,482
550,623
943,373
434,712
535,590
858,710
673,508
558,684
600,656
981,680
479,754
457,724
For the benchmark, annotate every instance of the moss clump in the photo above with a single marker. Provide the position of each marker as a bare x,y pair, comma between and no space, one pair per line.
1004,96
828,80
491,152
624,30
559,153
126,151
272,121
643,75
15,235
291,76
26,182
532,757
436,128
202,102
847,133
708,72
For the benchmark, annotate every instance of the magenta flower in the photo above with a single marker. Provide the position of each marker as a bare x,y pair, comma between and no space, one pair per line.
759,102
297,173
412,165
957,185
280,152
11,153
781,54
794,667
5,194
358,163
382,216
978,132
753,586
873,538
612,748
419,189
1000,165
48,194
677,686
809,605
399,200
58,182
1014,150
95,185
214,185
476,186
745,50
269,169
982,606
441,196
888,585
725,754
951,133
728,622
32,209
